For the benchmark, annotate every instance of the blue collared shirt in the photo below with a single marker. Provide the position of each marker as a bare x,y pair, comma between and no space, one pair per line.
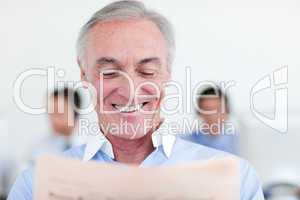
180,151
223,142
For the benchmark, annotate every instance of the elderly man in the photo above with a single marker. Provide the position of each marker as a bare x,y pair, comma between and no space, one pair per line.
125,46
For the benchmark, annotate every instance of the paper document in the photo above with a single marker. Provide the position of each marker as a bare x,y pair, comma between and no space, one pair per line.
58,178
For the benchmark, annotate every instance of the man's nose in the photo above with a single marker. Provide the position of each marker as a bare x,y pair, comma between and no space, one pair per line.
127,87
124,91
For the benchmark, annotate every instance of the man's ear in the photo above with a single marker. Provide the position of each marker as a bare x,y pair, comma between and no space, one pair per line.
168,78
82,71
83,75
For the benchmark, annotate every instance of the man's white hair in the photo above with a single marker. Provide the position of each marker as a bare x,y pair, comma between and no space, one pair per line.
125,10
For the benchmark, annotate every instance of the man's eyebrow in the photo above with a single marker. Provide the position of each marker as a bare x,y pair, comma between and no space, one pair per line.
107,60
155,60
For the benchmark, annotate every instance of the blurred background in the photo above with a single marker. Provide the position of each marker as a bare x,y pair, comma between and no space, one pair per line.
221,41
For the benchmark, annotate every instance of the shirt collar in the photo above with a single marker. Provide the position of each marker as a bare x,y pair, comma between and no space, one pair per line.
100,142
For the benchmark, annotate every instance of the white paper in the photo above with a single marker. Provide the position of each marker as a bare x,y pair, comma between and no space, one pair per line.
66,179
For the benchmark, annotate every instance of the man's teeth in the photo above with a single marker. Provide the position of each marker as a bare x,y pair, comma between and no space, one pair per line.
127,109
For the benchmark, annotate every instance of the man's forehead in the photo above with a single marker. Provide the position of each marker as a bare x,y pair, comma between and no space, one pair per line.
210,101
126,37
131,25
59,101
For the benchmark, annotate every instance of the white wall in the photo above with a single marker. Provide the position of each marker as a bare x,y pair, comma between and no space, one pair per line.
220,40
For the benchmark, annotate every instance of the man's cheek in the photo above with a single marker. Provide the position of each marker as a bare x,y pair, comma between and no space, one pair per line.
102,90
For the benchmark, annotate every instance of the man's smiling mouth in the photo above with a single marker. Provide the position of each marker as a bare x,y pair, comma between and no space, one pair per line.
129,109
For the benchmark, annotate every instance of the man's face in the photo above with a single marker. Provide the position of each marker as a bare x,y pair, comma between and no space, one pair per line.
119,53
61,116
213,104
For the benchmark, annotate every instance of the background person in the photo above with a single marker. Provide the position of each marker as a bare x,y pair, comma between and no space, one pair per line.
63,121
217,129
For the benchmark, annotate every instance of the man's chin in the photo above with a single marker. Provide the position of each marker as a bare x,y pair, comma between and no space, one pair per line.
128,130
128,135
